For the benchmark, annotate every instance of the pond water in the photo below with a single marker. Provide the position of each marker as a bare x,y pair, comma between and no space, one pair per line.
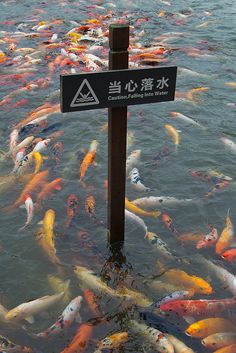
36,47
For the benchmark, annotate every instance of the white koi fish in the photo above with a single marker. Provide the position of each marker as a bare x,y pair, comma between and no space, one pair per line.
156,337
186,119
152,202
41,145
229,144
65,320
13,140
136,181
25,311
136,219
227,279
132,160
29,205
91,281
179,346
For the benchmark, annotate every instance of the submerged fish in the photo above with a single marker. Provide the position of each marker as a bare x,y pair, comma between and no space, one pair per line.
179,346
206,327
186,119
133,208
80,340
182,278
65,320
113,341
26,311
152,202
227,236
219,340
194,308
156,337
173,133
7,346
136,181
132,160
91,281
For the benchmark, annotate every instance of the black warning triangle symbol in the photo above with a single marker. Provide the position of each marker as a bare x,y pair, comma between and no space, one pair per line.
84,96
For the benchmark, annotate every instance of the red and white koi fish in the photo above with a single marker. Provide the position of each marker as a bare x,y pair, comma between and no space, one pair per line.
194,308
64,321
210,238
29,205
177,295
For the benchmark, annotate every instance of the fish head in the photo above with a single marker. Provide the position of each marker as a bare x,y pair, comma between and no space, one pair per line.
194,330
14,314
203,286
173,114
136,153
166,218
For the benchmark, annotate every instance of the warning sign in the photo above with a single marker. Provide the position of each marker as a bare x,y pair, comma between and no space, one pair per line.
118,88
84,96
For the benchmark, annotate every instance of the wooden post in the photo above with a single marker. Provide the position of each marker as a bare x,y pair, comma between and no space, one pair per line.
117,131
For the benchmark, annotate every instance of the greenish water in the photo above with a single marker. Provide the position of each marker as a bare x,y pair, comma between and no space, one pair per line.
205,26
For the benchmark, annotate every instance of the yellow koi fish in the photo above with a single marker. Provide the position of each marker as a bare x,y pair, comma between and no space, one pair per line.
58,285
133,208
226,237
207,327
38,161
173,133
187,281
46,237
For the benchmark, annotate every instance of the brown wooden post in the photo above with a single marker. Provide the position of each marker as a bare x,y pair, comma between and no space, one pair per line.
117,131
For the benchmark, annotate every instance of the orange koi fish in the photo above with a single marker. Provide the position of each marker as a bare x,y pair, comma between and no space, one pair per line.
80,340
71,209
199,307
229,255
113,341
90,203
88,159
169,224
36,181
206,327
226,237
48,188
90,298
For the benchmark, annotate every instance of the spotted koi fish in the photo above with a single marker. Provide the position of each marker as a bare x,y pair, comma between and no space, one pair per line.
68,316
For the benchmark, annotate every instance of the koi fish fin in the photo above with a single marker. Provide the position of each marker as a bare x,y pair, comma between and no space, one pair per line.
30,319
189,319
98,351
40,222
78,319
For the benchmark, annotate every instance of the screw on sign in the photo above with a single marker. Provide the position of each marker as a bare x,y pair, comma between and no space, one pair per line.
120,87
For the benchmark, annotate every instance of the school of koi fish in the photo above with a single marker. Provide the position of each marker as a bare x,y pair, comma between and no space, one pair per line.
171,288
